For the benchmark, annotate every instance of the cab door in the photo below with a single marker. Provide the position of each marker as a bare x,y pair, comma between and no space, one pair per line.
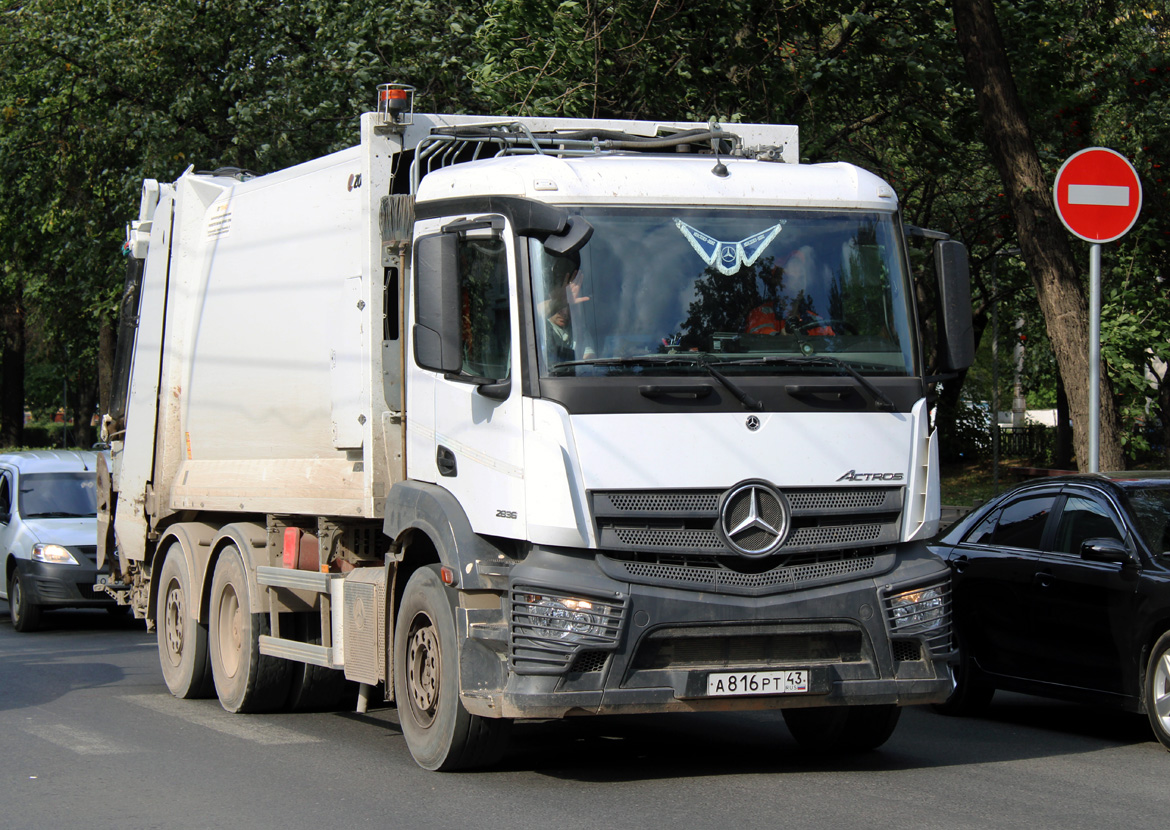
476,449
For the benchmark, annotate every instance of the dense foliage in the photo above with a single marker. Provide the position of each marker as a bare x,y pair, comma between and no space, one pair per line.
94,97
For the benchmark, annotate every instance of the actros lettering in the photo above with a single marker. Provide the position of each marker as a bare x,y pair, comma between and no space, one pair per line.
853,475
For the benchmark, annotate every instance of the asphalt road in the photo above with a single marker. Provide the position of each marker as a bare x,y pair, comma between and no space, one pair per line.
90,738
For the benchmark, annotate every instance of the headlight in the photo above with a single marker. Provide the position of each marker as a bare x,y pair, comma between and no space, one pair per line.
564,617
918,611
53,554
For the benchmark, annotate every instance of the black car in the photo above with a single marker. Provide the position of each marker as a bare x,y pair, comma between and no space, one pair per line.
1062,589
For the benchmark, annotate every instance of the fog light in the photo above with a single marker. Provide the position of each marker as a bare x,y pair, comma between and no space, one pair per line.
922,610
566,617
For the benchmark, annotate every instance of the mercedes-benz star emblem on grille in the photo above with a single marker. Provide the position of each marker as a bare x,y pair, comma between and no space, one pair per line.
754,519
752,423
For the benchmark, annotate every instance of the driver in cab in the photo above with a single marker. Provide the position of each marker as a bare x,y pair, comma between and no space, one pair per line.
787,305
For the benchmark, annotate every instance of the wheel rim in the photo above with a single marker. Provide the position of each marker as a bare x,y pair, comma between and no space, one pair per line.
1162,690
422,670
231,637
15,600
173,623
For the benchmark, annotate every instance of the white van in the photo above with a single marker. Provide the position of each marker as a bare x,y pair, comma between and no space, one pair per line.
48,533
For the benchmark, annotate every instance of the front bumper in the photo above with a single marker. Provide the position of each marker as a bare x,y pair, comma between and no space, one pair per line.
62,586
639,648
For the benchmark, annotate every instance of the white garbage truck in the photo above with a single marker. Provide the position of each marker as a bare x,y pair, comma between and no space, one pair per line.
514,418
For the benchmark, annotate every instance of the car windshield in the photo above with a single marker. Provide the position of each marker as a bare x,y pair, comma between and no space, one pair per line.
58,495
1150,507
677,290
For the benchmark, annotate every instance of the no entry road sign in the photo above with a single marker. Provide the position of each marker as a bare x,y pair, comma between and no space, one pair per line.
1098,194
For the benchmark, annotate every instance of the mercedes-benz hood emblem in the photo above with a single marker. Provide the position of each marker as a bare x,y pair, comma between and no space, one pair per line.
754,519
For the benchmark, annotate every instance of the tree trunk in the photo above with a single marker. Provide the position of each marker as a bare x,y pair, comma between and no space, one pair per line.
1062,453
1043,239
12,368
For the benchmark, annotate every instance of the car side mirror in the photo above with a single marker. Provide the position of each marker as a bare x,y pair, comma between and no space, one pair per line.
1104,549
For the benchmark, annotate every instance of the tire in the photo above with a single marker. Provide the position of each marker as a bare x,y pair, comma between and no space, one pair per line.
245,680
839,730
316,688
26,615
1156,690
440,733
182,642
972,693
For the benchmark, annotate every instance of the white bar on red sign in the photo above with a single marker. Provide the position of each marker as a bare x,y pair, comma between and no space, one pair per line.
1098,194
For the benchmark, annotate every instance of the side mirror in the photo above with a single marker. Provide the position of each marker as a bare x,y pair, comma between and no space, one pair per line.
573,239
957,346
437,345
1105,550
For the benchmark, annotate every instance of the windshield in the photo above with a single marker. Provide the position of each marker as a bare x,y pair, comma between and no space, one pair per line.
669,290
58,495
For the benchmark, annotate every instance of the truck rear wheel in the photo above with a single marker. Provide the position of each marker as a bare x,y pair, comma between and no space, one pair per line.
315,688
833,730
440,732
245,679
182,642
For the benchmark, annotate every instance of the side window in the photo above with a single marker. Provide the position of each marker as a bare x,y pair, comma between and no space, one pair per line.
1083,519
984,532
1021,524
5,498
485,321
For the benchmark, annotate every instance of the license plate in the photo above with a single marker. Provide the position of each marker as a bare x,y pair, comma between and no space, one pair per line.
726,684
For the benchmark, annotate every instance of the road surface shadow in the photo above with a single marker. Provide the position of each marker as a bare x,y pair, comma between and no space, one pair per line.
632,748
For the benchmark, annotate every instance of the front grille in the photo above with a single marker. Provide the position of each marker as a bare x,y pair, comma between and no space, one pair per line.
905,650
669,538
711,574
589,661
663,502
687,521
735,647
548,629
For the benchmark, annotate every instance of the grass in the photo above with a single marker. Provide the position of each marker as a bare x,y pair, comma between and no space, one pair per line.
965,484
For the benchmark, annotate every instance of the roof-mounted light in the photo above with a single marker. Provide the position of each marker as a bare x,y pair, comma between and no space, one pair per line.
396,103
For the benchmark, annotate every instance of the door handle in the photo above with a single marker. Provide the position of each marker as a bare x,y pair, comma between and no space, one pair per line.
1043,579
445,461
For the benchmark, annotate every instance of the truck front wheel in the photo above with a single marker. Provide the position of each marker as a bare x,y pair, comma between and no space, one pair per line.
440,733
834,730
245,679
182,642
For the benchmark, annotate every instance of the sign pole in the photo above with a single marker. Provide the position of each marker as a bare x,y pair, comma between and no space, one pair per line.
1094,358
1098,197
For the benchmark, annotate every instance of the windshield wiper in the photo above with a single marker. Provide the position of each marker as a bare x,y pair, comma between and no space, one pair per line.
881,400
740,394
735,389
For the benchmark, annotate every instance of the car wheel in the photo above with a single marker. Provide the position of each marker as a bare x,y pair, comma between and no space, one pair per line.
26,615
972,693
834,730
182,642
1157,689
245,679
440,733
